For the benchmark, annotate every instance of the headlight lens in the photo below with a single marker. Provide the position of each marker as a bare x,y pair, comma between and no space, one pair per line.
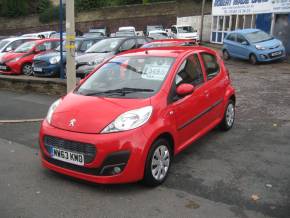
54,60
260,47
130,120
51,110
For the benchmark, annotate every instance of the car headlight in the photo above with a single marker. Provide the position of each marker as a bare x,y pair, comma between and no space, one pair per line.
54,60
96,62
260,47
51,110
129,120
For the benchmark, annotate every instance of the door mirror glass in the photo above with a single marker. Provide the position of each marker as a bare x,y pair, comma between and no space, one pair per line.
184,89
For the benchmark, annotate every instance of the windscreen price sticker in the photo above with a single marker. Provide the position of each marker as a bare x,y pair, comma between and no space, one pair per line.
155,72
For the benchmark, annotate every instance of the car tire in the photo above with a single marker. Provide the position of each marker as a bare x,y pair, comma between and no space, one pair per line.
27,69
226,55
229,116
157,164
253,59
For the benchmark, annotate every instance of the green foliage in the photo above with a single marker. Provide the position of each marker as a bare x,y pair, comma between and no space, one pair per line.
50,14
13,8
43,5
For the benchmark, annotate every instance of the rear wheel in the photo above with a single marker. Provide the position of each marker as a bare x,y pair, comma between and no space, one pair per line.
158,163
27,69
226,55
253,59
229,116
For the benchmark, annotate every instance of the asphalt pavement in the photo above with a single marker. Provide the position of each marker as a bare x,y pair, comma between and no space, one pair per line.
241,173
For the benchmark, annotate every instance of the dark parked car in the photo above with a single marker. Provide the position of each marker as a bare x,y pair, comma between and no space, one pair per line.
105,49
48,64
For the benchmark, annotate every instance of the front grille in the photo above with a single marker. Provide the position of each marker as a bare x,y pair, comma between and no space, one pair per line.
2,66
39,63
88,150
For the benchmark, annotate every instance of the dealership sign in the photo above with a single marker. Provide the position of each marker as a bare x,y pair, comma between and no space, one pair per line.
228,7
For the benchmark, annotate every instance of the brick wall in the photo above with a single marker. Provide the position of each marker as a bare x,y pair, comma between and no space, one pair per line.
134,15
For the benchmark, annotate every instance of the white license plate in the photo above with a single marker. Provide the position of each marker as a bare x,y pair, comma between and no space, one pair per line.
276,53
3,67
67,156
37,69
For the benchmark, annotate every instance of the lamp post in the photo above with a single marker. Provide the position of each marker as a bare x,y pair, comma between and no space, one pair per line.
201,21
61,38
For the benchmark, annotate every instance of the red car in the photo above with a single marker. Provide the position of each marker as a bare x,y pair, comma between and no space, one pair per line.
127,120
20,60
169,43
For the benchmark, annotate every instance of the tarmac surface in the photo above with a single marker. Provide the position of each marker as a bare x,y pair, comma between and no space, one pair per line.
241,173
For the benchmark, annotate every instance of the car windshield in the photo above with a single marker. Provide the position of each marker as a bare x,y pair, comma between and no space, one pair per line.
128,77
258,36
158,35
125,33
26,47
93,34
185,29
105,46
3,43
77,43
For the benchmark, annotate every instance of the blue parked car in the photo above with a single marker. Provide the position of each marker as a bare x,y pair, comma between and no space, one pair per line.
253,45
48,64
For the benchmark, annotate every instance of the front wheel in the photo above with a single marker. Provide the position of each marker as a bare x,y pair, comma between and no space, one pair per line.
226,55
229,116
253,59
27,69
158,163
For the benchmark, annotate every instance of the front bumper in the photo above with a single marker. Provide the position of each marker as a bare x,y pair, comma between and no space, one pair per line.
50,70
131,143
267,55
11,68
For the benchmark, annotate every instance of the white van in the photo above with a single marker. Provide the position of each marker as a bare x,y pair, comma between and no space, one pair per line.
127,29
184,32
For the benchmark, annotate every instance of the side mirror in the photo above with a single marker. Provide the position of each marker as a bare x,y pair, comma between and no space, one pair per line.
184,89
8,49
245,43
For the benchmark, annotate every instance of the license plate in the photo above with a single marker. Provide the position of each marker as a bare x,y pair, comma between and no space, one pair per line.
276,53
3,67
37,69
67,156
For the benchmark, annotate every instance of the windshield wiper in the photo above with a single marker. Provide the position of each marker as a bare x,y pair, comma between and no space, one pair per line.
122,91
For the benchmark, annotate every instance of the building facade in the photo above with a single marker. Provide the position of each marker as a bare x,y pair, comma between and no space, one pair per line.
271,16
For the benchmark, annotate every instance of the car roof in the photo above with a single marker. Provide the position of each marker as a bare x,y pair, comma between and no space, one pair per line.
171,40
17,38
244,31
173,51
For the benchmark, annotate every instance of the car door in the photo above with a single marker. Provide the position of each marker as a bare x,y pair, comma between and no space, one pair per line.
215,86
242,47
189,109
230,43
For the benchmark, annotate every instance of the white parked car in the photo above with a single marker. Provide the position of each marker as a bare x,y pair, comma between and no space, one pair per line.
158,34
127,29
46,34
184,32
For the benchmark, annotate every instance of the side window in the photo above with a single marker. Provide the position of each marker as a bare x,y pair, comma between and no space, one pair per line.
86,44
127,45
173,29
140,42
15,44
241,39
190,72
231,37
211,66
